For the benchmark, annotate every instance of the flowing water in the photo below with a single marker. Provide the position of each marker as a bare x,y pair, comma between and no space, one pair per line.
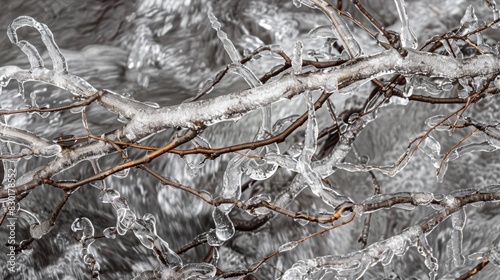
163,51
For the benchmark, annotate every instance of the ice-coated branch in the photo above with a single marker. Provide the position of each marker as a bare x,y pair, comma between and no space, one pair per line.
234,105
77,86
353,265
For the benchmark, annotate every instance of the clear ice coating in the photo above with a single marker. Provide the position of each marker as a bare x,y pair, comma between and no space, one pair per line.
354,265
37,145
322,31
110,232
408,39
231,181
493,253
454,246
341,29
288,246
37,231
58,60
224,228
429,260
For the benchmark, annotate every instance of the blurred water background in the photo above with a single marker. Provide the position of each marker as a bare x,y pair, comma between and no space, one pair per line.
163,51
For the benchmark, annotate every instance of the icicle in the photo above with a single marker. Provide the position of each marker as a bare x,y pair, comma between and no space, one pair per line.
453,49
288,246
212,239
162,251
469,16
231,181
277,127
408,39
297,58
58,60
284,161
31,52
422,198
493,253
433,121
286,197
431,148
108,195
192,170
493,136
297,3
228,45
342,29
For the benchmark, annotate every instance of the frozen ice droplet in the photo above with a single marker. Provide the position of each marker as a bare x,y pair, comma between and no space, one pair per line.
497,82
126,218
37,231
469,16
198,271
422,198
83,224
224,228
